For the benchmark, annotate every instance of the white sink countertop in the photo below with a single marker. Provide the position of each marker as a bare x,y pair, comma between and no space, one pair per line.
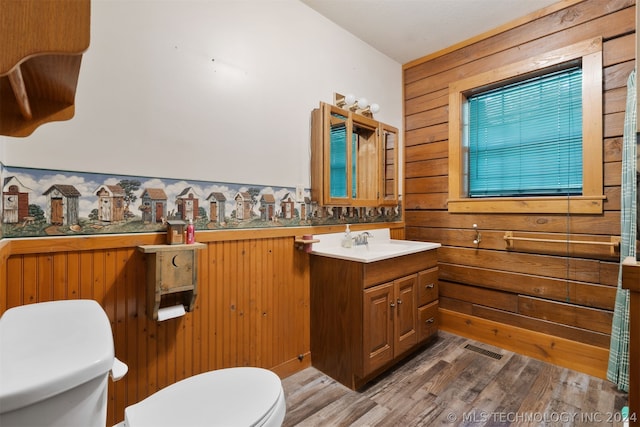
380,246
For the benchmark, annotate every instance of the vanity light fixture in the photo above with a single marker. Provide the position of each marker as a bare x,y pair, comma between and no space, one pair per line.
357,105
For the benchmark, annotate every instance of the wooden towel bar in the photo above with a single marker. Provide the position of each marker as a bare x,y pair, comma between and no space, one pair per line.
614,242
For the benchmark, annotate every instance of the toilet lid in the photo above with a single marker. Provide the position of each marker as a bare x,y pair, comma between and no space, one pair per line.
50,347
225,397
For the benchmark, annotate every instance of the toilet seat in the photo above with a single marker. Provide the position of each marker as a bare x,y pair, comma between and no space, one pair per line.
225,397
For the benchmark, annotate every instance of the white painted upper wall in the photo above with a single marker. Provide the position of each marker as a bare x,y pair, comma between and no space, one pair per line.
214,90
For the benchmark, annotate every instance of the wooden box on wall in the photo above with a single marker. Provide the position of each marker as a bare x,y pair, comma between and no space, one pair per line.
171,269
175,231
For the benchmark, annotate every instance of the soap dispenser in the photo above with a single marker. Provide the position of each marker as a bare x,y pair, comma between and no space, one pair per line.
347,241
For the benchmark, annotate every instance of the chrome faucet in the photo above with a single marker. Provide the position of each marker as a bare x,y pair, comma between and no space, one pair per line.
362,238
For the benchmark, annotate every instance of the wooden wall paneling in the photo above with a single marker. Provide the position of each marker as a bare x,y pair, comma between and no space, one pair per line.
131,319
543,326
613,124
59,276
542,272
476,295
560,351
620,49
507,48
252,307
612,173
530,28
13,288
429,184
424,168
615,100
397,233
455,305
118,325
606,224
613,149
616,75
556,289
427,101
44,284
589,318
428,134
494,239
547,266
420,201
612,202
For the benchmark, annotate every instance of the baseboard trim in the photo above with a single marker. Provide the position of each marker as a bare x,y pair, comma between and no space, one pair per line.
574,355
292,366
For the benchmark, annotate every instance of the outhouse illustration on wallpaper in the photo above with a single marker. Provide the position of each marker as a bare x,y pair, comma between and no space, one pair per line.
110,203
267,207
38,202
217,211
187,203
15,201
243,205
62,204
154,205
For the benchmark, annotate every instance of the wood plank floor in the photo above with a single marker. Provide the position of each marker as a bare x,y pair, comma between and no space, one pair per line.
448,384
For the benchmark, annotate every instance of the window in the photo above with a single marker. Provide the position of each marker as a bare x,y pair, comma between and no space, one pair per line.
527,138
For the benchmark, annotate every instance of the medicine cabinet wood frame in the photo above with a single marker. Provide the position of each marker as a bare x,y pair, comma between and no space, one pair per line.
370,172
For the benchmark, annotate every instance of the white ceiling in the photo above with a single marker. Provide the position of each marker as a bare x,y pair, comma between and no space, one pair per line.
405,30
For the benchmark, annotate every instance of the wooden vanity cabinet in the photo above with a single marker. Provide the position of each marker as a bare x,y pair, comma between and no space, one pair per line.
365,317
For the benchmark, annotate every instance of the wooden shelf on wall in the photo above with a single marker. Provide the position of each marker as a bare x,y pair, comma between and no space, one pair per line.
40,56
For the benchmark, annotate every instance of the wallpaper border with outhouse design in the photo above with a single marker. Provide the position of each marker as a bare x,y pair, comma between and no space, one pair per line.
40,202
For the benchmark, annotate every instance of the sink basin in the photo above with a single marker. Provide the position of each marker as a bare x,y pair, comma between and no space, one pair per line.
380,247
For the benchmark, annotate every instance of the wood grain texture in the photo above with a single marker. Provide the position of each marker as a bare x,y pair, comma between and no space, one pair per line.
448,384
42,46
252,307
563,291
580,277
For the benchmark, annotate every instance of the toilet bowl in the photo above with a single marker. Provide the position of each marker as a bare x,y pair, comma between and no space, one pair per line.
56,359
225,397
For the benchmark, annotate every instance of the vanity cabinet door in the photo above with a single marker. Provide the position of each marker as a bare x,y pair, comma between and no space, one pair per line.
406,334
378,313
338,156
428,321
366,161
427,286
389,165
390,325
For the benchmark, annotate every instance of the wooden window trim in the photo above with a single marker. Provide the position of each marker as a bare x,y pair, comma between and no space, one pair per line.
591,201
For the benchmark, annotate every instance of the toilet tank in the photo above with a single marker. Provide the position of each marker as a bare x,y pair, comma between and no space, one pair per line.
55,359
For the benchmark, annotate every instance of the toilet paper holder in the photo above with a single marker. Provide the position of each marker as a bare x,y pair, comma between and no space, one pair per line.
171,270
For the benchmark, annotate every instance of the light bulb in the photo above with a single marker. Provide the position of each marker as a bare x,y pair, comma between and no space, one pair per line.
374,108
363,103
349,99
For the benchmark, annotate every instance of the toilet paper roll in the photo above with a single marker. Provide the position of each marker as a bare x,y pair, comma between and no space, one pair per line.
166,313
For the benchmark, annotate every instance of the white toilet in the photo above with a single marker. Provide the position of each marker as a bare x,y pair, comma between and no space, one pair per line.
55,362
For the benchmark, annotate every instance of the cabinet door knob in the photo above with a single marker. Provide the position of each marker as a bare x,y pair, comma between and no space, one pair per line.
399,301
392,304
430,286
430,320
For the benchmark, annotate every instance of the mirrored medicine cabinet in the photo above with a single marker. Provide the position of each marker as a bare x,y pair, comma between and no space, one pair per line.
353,159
